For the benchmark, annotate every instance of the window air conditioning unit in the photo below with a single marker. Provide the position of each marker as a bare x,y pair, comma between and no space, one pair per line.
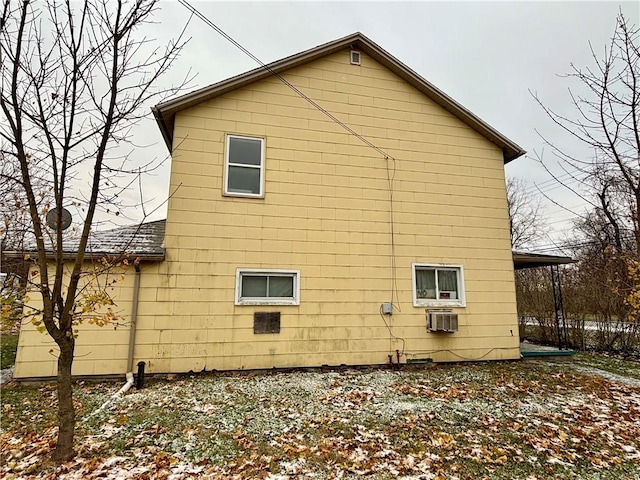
448,295
442,321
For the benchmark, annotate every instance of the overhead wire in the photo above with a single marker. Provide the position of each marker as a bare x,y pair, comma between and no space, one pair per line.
564,180
561,248
284,80
552,182
387,157
569,245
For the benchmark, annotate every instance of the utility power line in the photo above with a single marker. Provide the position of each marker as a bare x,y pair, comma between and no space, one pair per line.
295,89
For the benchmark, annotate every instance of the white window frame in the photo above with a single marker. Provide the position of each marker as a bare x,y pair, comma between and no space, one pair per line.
227,164
425,302
240,300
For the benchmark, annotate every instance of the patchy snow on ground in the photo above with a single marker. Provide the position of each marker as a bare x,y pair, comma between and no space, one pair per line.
6,375
499,420
608,375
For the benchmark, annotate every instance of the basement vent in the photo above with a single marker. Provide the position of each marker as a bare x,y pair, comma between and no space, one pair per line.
442,322
266,322
355,57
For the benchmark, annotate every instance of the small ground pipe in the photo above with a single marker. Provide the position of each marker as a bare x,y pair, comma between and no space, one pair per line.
120,392
140,376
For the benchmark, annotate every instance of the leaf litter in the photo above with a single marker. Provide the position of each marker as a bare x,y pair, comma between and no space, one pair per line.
493,420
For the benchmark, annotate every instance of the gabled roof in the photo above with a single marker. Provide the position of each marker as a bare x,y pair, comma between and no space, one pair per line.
165,112
143,241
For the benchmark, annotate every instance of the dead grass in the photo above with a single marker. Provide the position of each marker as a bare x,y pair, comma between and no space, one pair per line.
506,420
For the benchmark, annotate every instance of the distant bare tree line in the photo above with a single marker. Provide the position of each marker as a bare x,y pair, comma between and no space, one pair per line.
604,285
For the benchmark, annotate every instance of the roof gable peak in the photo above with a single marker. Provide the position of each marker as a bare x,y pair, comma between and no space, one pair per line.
165,112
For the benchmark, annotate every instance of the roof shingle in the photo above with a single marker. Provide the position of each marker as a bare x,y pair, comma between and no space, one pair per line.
144,240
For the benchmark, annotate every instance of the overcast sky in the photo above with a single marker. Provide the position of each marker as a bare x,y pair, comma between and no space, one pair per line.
486,55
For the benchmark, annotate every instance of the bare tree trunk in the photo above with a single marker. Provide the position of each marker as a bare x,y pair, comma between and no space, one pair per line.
75,79
636,222
66,412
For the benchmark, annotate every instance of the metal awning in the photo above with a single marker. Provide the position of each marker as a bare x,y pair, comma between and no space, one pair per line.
522,260
531,260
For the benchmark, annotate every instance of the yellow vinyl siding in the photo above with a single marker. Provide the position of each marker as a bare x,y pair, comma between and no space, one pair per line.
99,350
325,212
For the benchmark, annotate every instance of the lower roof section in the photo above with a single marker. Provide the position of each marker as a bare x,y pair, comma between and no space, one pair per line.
523,260
144,241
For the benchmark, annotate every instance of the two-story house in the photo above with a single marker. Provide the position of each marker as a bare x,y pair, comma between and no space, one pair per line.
331,208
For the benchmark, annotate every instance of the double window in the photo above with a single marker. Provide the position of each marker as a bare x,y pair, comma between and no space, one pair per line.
244,166
267,287
438,285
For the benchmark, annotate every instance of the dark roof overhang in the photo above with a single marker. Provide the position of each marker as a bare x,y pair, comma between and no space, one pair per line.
523,260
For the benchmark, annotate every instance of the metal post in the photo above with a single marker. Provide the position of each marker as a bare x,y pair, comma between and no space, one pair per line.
558,305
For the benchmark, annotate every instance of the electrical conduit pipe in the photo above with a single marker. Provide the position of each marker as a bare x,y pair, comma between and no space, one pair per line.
134,316
132,336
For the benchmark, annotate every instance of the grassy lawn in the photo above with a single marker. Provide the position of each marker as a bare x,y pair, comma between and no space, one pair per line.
609,363
8,346
508,420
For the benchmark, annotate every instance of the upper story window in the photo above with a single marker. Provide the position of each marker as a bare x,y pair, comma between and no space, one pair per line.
244,166
438,285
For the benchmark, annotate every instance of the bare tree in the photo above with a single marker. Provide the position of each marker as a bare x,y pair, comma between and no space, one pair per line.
606,122
606,101
74,80
15,223
526,219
